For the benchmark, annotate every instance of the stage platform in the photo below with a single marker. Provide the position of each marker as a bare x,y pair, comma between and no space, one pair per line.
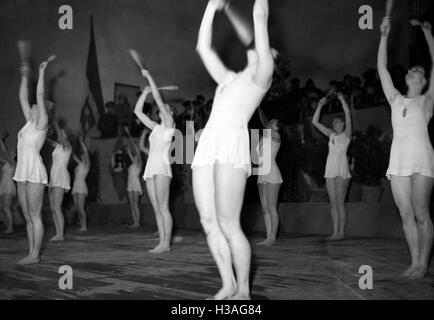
113,263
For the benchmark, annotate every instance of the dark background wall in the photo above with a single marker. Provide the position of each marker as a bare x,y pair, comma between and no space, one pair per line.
321,38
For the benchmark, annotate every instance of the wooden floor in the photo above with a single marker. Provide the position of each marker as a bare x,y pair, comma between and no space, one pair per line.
113,263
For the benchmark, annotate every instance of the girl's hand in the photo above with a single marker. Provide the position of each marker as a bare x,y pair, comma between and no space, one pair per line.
147,90
426,27
322,102
43,66
385,27
145,73
340,96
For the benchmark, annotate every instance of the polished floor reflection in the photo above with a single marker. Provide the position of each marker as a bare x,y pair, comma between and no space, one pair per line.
113,263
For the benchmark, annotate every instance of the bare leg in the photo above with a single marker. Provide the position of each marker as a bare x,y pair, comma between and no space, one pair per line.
35,198
150,186
272,201
133,209
53,210
57,199
262,189
162,189
421,196
230,185
7,208
204,197
402,193
80,203
331,190
136,199
341,194
22,198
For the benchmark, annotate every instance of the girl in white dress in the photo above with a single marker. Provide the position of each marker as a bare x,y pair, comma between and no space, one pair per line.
269,183
60,181
337,173
8,189
134,188
158,173
30,174
222,160
411,166
79,189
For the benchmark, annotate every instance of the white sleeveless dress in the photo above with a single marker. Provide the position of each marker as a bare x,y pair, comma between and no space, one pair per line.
133,179
7,184
59,175
273,176
158,162
411,150
225,138
80,174
337,160
30,167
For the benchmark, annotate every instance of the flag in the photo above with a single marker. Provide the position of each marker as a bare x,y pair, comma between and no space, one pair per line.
87,117
94,104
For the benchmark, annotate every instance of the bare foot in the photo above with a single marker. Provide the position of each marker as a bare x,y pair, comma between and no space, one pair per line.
419,273
134,226
410,271
23,261
240,296
32,260
9,231
160,249
82,230
225,293
335,237
57,239
267,242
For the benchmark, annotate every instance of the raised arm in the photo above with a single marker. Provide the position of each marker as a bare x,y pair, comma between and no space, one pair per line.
133,143
210,59
76,158
142,142
347,111
40,98
427,30
157,97
85,156
265,69
385,77
5,153
241,25
138,110
262,117
24,91
130,154
315,120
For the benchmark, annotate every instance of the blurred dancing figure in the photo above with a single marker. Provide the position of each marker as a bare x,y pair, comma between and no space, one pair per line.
337,172
411,165
222,161
134,188
60,181
269,183
8,190
79,189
